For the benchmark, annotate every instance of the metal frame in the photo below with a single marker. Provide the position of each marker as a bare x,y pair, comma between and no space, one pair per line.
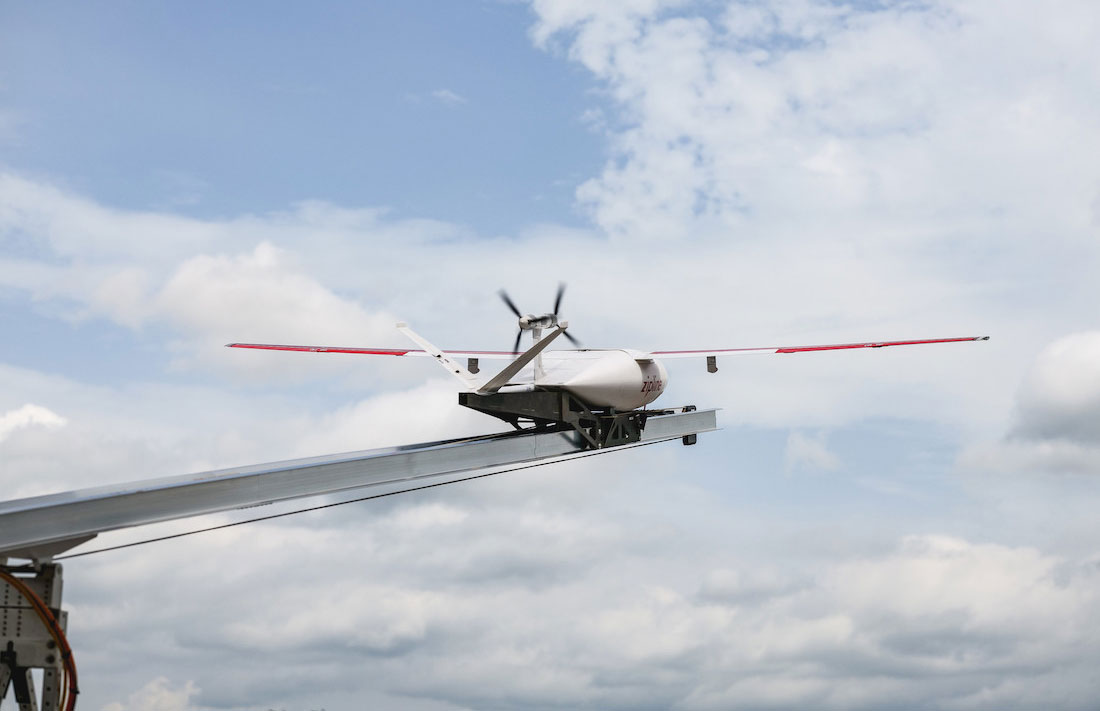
557,409
26,643
43,526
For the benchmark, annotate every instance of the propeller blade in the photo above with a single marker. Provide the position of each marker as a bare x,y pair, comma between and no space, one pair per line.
515,348
504,296
557,300
572,340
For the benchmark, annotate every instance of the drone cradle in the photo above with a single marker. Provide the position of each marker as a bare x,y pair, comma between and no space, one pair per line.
560,410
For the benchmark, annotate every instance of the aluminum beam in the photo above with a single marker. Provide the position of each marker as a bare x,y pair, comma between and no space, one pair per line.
43,526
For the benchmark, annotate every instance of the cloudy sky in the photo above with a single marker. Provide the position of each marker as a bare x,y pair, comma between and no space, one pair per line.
906,528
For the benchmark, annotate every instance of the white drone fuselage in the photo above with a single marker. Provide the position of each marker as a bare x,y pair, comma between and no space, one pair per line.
617,378
601,378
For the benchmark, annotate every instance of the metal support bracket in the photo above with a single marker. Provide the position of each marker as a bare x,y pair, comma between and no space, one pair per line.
689,439
550,409
25,641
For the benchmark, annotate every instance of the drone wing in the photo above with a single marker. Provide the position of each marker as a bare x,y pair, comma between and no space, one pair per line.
806,349
446,359
500,355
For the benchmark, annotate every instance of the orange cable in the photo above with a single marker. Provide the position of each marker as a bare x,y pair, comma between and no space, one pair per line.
46,615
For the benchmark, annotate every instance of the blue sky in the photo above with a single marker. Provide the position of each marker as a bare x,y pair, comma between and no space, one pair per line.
912,524
214,111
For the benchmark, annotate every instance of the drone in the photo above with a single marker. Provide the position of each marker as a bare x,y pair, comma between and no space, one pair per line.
602,393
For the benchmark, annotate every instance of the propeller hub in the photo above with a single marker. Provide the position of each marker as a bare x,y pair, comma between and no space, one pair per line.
531,322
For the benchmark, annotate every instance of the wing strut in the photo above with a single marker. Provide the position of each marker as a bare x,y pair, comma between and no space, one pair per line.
502,378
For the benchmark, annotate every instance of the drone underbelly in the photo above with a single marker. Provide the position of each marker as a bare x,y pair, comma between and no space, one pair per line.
606,378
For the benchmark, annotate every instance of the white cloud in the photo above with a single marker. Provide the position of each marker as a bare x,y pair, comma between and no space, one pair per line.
809,453
427,610
208,282
1056,424
75,228
805,114
1060,398
28,416
258,298
448,97
1031,456
442,97
422,413
158,695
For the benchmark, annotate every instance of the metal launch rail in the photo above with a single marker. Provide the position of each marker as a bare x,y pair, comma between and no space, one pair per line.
38,528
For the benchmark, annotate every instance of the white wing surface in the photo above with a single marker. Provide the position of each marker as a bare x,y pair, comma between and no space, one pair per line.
806,349
490,355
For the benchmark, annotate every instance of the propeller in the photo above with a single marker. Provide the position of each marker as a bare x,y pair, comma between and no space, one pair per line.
515,309
557,308
511,305
530,321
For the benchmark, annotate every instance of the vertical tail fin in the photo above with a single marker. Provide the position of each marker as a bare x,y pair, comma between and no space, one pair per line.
465,377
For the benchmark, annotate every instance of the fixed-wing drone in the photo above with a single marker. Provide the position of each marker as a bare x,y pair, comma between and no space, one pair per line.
600,392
